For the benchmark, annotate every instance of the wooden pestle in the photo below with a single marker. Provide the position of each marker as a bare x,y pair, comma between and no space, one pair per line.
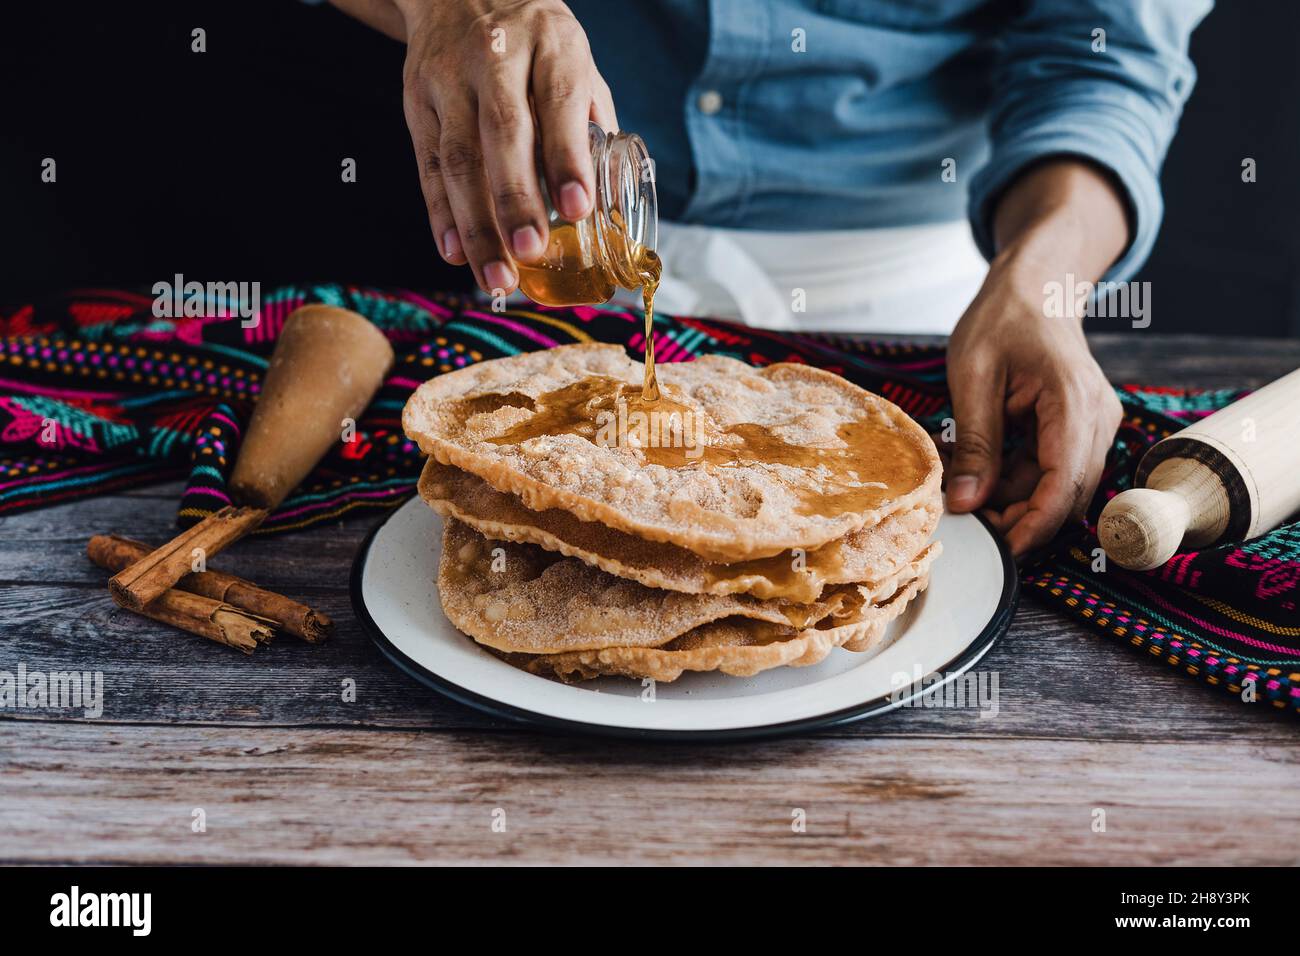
326,367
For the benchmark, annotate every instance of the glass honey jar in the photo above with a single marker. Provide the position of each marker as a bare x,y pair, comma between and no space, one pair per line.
586,261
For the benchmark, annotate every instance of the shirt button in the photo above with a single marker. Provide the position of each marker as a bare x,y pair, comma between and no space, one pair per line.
710,102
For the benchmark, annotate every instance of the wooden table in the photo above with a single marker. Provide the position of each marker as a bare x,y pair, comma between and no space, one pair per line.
286,771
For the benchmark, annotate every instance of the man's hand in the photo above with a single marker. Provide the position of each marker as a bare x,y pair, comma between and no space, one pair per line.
1008,360
484,82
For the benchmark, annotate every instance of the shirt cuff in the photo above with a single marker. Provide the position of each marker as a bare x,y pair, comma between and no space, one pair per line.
1109,134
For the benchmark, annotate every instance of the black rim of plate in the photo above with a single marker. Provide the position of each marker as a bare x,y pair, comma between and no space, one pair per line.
993,629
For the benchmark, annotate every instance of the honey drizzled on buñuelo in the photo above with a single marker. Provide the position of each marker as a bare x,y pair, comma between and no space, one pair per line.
875,462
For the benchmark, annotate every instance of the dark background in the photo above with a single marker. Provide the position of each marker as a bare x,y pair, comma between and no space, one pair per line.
226,165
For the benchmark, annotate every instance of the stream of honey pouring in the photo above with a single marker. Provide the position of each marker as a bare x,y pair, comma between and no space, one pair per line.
649,269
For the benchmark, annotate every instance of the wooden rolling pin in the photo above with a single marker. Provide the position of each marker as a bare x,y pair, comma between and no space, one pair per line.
327,365
1229,477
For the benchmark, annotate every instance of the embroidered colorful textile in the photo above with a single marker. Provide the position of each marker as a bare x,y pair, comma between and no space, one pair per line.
97,394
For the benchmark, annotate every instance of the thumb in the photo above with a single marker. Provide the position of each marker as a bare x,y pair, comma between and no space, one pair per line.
977,457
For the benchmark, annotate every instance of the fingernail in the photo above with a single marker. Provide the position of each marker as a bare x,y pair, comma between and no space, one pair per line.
527,243
451,244
961,491
498,276
573,201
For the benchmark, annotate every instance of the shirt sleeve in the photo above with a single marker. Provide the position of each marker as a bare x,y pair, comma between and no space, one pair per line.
1059,90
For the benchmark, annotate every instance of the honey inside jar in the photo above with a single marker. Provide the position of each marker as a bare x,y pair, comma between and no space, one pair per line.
586,261
568,273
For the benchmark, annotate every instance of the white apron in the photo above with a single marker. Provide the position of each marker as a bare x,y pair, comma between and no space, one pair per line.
908,279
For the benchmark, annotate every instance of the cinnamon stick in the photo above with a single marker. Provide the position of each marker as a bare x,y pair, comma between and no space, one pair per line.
115,553
144,581
211,619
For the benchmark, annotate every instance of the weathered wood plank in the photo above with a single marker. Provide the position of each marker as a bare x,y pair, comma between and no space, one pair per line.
1194,361
61,618
1079,686
76,793
49,545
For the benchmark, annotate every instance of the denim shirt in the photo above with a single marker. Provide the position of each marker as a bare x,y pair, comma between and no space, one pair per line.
830,114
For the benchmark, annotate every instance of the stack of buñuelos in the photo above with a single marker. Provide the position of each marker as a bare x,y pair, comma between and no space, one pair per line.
749,519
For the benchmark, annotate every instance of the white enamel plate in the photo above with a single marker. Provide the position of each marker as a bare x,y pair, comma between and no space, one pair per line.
945,632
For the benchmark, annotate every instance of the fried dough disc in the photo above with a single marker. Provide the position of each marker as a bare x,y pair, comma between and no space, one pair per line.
737,646
520,598
762,460
870,554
